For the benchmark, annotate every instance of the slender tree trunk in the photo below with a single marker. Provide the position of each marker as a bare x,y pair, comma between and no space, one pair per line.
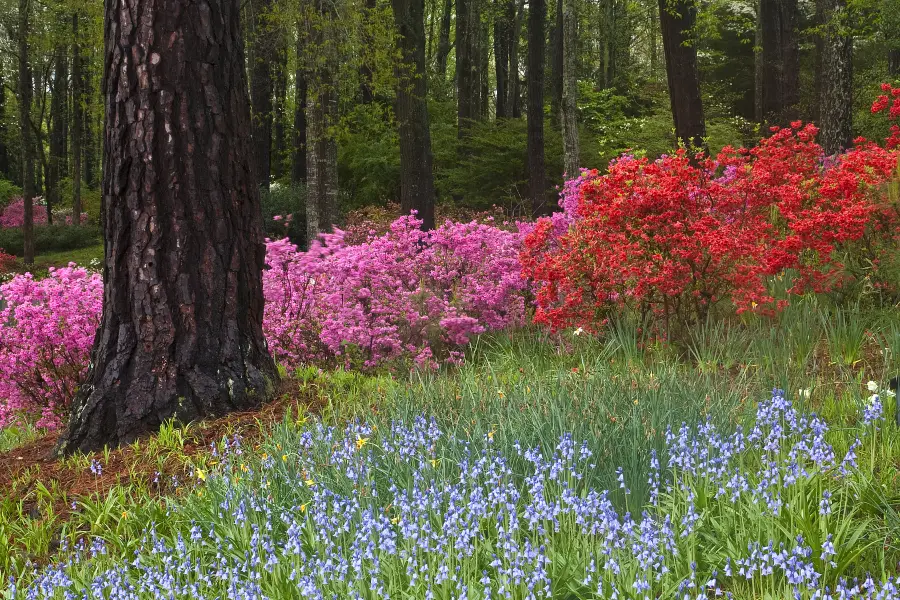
502,35
77,120
484,55
556,62
298,170
4,151
366,89
836,102
57,135
416,174
261,88
758,66
894,62
91,138
569,104
181,333
466,65
678,20
25,97
279,116
537,14
514,103
781,61
654,42
443,49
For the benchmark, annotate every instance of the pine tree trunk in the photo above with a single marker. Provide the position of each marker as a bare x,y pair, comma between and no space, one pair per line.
181,332
502,33
677,20
569,104
556,63
416,174
781,61
26,137
57,135
443,49
261,88
298,170
77,120
514,104
537,14
836,121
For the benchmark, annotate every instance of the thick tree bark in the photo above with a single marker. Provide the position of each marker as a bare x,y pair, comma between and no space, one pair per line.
502,35
781,61
77,119
57,130
261,88
537,175
836,101
26,137
556,62
321,118
514,104
677,19
181,332
298,169
416,174
443,49
569,104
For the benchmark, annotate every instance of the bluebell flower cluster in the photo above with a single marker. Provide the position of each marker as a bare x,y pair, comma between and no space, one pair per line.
410,512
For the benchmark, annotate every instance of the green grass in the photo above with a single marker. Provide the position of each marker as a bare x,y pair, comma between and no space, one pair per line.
82,256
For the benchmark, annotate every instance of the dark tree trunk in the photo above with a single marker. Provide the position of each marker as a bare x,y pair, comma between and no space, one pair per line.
366,86
181,333
4,151
261,87
781,61
57,130
279,116
677,20
321,117
514,104
502,34
654,42
758,66
26,141
894,62
77,120
556,62
569,104
466,65
537,14
92,140
416,175
836,121
298,169
443,49
484,54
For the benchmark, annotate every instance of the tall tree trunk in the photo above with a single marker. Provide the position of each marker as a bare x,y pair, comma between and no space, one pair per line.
181,333
654,42
279,116
416,174
537,14
781,61
366,86
261,80
758,66
514,104
502,35
77,119
321,118
298,170
92,139
836,121
556,61
25,97
484,65
57,131
443,49
4,151
894,62
569,104
677,20
466,65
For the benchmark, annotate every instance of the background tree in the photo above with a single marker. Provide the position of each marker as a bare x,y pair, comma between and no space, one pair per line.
263,58
181,332
780,61
537,14
836,77
569,105
25,127
677,19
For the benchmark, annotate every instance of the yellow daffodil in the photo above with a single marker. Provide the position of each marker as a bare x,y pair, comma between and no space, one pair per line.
360,442
201,475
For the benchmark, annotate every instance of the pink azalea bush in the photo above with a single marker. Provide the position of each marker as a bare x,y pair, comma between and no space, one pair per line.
47,328
14,214
405,298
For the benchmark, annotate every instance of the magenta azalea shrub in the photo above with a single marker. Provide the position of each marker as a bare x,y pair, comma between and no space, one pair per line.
46,332
402,299
14,214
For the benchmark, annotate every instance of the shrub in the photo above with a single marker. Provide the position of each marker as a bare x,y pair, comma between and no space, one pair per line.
8,191
670,239
284,212
48,329
14,213
51,238
7,262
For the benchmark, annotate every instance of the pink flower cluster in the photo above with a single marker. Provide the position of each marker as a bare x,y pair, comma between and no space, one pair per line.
402,299
14,214
405,297
47,329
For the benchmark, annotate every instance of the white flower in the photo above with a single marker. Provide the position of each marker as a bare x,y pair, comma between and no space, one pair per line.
804,393
873,399
889,393
872,386
579,331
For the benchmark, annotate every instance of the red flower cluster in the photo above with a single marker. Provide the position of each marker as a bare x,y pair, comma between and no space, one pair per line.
671,239
7,262
889,101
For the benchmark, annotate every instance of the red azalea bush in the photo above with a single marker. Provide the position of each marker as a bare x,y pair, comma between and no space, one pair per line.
7,262
671,238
